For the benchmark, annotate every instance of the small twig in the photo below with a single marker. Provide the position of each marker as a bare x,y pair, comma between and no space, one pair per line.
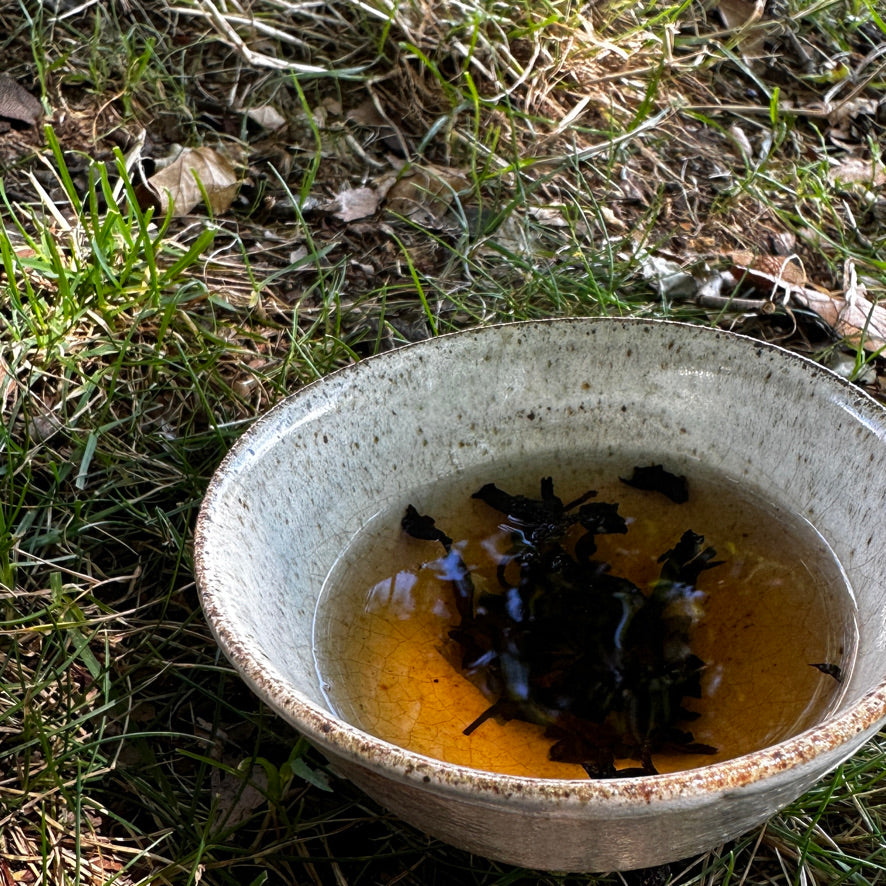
729,303
227,32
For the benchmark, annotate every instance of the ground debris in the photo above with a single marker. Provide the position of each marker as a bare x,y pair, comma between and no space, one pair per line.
356,203
850,312
17,104
195,175
425,193
583,134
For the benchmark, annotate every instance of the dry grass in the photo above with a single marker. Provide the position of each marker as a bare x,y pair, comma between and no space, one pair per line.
509,160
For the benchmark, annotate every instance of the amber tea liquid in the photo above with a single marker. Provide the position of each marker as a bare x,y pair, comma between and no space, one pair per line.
778,604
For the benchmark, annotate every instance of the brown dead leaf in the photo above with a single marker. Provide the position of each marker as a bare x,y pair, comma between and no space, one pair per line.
855,170
356,203
740,16
425,193
851,313
16,103
106,864
853,320
239,795
767,273
366,114
742,142
382,132
267,116
852,119
181,181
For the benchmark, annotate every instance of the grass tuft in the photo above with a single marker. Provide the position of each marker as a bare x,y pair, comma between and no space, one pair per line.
526,160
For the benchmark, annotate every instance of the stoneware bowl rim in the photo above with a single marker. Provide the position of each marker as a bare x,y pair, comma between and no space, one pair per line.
621,796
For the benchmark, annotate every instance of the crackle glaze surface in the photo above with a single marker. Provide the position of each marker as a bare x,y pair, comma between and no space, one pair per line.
296,488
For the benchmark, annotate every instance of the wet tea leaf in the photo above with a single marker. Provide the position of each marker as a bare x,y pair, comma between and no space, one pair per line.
566,644
831,670
655,478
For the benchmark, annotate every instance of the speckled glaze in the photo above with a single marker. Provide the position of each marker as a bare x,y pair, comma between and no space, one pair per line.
303,480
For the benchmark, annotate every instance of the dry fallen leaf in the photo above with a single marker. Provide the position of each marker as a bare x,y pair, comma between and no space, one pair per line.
768,274
16,103
851,313
425,193
239,795
181,181
852,119
6,872
366,114
354,203
742,142
740,16
854,169
550,216
267,116
853,320
667,277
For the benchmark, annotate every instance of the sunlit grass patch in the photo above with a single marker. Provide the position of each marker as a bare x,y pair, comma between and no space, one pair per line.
524,160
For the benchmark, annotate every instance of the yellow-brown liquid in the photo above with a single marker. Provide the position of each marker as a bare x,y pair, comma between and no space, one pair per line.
778,604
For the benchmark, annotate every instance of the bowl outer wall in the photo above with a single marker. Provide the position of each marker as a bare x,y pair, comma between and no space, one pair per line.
284,503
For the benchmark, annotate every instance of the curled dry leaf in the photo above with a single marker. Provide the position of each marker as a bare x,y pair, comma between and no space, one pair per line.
425,193
740,16
182,183
768,274
239,794
667,277
356,203
850,313
550,216
851,120
855,170
856,319
16,103
267,116
741,142
366,114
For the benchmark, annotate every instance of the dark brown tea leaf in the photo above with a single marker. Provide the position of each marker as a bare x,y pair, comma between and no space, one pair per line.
655,478
566,644
831,670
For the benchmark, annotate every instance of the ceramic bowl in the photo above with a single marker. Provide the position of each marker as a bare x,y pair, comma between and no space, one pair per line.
299,485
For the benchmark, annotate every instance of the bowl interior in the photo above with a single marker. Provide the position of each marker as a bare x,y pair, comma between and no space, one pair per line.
299,486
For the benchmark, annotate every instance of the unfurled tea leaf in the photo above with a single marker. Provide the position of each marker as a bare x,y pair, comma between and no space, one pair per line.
419,526
687,560
565,644
831,670
656,479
